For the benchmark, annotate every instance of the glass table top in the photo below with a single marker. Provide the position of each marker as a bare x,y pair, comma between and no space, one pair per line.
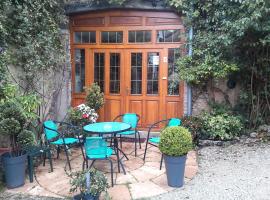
107,127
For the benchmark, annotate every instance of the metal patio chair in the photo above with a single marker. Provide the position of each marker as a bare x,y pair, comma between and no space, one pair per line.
96,149
55,136
132,119
154,141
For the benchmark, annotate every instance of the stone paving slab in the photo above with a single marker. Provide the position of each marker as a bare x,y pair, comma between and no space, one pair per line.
143,179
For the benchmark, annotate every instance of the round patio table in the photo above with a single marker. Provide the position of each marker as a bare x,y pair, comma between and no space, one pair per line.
112,128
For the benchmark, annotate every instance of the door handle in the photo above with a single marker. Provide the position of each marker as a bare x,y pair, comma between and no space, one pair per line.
127,91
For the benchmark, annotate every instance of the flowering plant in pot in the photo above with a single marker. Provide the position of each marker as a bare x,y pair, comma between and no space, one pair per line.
175,143
82,115
90,183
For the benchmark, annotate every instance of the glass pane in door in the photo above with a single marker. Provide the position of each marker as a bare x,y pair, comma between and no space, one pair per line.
136,73
152,73
173,80
115,73
79,70
99,70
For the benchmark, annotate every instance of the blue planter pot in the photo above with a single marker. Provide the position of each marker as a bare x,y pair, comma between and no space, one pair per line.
85,197
14,168
175,170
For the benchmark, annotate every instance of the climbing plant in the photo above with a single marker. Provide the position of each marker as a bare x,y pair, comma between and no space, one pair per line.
32,37
230,37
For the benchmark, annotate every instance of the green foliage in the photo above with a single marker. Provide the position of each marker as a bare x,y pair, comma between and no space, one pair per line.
221,123
175,141
221,126
31,35
98,182
16,113
194,125
230,37
94,97
203,67
10,127
26,138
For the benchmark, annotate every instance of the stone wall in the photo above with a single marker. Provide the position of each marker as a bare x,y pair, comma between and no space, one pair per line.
221,94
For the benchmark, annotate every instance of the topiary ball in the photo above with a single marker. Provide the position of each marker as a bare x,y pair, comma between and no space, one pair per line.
26,138
175,141
9,126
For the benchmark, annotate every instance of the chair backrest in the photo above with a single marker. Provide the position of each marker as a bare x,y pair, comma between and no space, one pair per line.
130,118
95,146
50,129
174,122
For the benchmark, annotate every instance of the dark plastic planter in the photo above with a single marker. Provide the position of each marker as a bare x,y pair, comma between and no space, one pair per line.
85,197
14,168
175,170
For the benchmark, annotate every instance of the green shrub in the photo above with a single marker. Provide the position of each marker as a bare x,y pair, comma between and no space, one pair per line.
194,125
175,141
26,138
94,97
98,182
221,126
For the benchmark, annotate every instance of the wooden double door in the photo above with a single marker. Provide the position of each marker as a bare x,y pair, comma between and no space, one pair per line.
135,81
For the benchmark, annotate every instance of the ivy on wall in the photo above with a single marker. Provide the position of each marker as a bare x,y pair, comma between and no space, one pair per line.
31,37
231,37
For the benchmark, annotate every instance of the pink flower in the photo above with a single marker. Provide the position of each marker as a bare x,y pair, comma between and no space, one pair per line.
85,116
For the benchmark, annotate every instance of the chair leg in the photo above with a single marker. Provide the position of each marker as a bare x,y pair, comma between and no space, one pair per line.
44,158
30,168
135,144
160,167
66,151
145,150
111,170
139,140
121,142
91,164
50,159
58,151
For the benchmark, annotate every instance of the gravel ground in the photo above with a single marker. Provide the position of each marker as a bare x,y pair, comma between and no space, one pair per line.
239,172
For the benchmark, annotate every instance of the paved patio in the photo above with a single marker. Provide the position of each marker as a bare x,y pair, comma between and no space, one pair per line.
143,179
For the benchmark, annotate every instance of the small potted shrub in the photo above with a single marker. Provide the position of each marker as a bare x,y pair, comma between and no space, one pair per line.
90,183
175,143
12,121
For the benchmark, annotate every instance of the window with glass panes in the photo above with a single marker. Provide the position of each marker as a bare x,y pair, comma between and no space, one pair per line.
136,73
168,36
79,70
99,60
115,73
173,80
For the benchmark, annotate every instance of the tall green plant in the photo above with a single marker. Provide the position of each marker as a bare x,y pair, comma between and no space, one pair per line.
94,97
230,37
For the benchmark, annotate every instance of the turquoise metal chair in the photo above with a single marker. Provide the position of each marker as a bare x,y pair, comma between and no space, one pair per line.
96,149
132,119
55,137
154,141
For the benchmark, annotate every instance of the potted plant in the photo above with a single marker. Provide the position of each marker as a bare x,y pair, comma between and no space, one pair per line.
82,115
94,97
90,183
12,122
16,113
175,143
